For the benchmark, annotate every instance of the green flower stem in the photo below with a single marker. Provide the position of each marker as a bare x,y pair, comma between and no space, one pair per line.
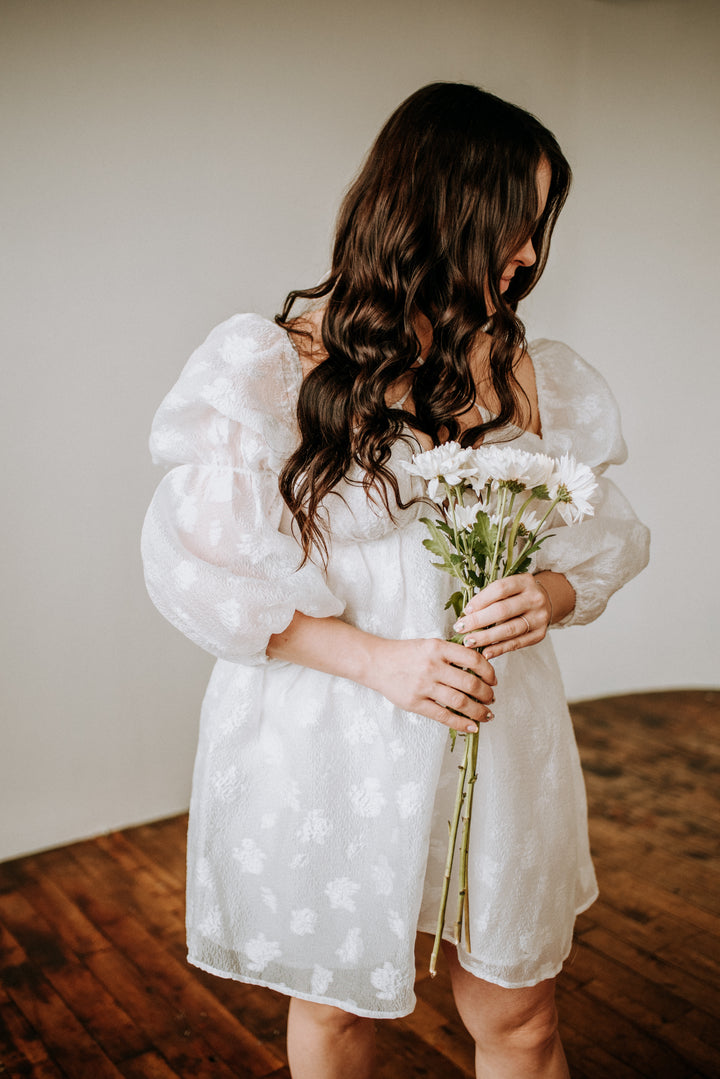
452,839
496,552
551,507
511,567
457,493
463,906
516,525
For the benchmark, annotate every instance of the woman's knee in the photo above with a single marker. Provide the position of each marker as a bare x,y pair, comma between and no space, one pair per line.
524,1018
325,1016
532,1028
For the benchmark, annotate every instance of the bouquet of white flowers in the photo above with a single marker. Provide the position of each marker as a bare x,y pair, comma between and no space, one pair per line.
490,526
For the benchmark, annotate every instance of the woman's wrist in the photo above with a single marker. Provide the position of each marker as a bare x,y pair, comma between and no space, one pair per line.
560,594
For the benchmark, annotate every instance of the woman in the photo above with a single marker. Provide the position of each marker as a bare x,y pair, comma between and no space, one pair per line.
287,541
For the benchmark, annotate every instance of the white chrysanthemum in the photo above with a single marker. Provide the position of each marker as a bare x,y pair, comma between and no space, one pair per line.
466,516
574,484
450,462
508,465
529,522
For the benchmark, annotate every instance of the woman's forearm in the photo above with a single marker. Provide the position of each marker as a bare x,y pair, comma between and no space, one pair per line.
326,644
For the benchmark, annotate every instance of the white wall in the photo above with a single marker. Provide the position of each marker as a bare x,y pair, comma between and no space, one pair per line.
176,161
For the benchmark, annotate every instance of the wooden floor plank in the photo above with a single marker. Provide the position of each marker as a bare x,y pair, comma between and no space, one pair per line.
614,982
160,1019
111,1027
227,1037
627,890
96,982
67,1042
677,979
163,843
21,1046
74,931
148,1066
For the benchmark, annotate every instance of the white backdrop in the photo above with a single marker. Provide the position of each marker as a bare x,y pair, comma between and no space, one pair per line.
168,163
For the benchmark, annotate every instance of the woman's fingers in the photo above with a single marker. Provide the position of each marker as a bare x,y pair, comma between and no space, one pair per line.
439,679
458,656
450,718
509,614
459,689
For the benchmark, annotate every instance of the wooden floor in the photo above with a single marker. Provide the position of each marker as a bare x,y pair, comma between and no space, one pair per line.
94,981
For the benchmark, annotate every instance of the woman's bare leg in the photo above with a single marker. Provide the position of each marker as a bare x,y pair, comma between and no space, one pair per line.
515,1030
328,1043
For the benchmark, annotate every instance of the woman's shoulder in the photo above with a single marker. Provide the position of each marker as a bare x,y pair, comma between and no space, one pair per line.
578,411
245,361
245,371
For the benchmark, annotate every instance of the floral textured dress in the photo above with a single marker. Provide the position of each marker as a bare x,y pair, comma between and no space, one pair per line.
318,821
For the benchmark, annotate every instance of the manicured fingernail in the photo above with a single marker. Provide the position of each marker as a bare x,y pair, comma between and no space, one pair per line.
471,728
459,626
470,642
490,715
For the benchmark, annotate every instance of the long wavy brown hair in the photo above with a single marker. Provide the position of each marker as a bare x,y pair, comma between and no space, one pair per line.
446,197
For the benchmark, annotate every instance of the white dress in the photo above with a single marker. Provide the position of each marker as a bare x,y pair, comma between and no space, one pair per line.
318,821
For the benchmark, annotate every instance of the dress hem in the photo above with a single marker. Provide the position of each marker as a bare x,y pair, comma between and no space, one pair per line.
280,987
549,971
354,1009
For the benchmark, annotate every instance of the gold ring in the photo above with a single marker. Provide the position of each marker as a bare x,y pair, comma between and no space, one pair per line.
526,623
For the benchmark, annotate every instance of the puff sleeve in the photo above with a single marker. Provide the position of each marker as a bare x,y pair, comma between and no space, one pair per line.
219,561
580,416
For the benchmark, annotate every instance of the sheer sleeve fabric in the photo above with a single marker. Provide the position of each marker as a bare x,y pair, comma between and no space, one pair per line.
217,564
580,416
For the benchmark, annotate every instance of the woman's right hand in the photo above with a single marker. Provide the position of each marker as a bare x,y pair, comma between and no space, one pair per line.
446,682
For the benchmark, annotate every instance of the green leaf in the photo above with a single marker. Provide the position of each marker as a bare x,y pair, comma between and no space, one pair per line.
457,602
521,567
483,538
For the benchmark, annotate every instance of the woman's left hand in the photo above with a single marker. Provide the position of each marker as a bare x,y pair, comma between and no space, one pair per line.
508,614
